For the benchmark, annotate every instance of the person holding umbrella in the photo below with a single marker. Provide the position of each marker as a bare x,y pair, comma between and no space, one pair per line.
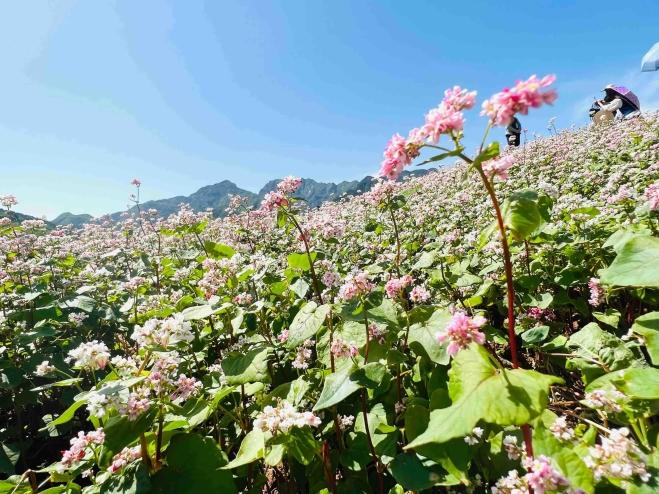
618,101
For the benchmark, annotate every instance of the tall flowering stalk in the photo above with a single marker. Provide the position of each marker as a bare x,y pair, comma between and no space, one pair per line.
448,119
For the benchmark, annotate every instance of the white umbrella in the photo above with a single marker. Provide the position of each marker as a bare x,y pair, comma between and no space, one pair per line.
650,61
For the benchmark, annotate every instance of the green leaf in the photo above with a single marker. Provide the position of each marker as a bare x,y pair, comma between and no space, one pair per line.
385,313
8,459
442,156
426,260
252,448
490,152
416,421
481,392
194,464
370,375
249,367
302,445
306,323
521,213
197,312
647,326
598,352
535,335
611,317
637,264
422,339
81,302
619,238
300,260
218,251
134,479
336,388
640,383
120,431
412,474
300,287
66,415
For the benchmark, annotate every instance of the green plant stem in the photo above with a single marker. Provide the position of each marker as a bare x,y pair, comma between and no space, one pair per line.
374,454
316,285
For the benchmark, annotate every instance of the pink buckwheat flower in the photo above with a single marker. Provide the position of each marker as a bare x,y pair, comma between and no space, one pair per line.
459,98
8,201
395,286
461,331
498,168
596,292
136,182
289,184
342,348
442,120
542,477
419,294
355,285
531,93
273,200
396,157
652,196
124,457
93,355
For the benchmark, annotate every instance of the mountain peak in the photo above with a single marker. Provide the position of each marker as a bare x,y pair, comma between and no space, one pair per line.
216,197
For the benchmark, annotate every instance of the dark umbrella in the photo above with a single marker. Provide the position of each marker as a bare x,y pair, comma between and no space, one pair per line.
650,61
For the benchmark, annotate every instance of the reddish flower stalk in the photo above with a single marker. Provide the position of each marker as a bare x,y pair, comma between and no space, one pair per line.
510,289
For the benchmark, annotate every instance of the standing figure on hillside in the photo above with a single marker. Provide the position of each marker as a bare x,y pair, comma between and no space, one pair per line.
514,132
618,102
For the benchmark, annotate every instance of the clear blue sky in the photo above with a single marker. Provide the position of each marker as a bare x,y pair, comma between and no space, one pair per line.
186,93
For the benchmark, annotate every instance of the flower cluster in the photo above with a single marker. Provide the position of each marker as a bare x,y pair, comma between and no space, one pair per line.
303,355
561,430
356,285
651,194
123,458
92,355
461,331
419,294
171,331
446,118
283,418
289,185
395,286
8,201
279,197
541,478
513,449
608,400
618,457
498,167
475,436
44,368
531,93
340,348
596,292
79,446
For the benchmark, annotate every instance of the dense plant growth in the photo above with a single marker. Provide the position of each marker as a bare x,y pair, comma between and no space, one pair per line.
492,326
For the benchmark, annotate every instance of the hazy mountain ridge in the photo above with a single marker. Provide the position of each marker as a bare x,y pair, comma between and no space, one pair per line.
216,197
76,220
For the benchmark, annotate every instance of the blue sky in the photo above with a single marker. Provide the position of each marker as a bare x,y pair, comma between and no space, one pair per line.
186,93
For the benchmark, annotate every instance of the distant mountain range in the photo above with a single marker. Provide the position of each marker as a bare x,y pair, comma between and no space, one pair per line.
216,197
18,217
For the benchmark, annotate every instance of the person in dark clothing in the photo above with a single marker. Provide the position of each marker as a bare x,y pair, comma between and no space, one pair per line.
514,132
